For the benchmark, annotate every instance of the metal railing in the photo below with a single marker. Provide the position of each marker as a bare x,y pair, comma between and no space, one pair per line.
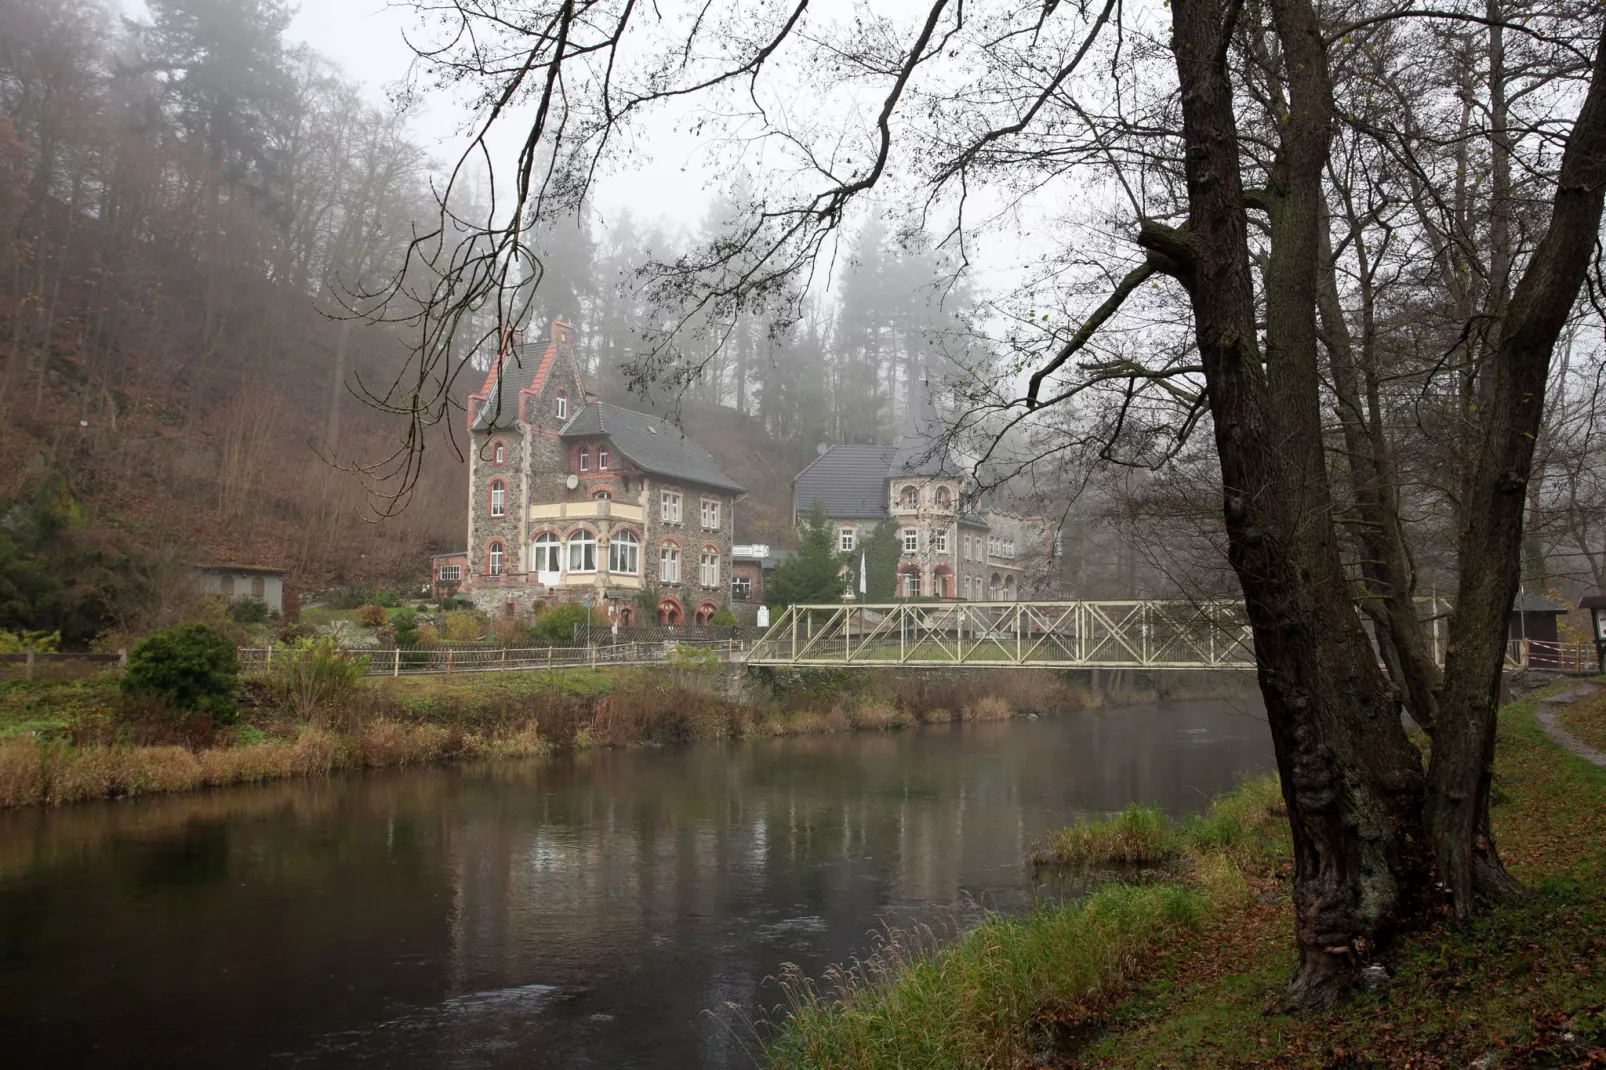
1112,634
413,661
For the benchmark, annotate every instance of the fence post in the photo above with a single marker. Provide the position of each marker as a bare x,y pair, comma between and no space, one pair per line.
448,662
122,656
27,662
395,670
504,659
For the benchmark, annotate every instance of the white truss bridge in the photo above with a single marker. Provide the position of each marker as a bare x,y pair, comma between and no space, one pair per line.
1047,635
1061,635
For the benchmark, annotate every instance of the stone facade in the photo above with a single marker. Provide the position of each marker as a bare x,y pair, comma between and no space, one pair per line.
620,502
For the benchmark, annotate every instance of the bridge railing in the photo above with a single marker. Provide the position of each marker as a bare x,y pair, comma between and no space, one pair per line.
1082,634
410,661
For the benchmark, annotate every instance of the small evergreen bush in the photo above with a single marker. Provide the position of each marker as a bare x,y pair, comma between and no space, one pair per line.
248,611
557,625
191,668
724,618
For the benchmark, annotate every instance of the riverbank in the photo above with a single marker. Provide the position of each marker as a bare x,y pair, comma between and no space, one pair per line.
1189,972
69,740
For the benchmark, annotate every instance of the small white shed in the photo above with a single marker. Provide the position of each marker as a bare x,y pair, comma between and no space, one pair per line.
241,581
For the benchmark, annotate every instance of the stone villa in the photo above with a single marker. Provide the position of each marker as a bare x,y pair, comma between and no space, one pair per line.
573,499
948,552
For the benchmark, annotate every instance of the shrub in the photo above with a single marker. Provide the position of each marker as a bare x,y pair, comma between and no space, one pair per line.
351,596
724,618
316,676
695,658
465,625
388,596
404,623
371,615
22,642
248,611
191,667
557,625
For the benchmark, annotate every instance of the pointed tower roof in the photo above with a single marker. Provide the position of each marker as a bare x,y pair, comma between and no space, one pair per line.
922,446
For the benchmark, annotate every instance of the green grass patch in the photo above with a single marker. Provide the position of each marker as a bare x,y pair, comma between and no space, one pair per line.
999,993
1137,834
1587,720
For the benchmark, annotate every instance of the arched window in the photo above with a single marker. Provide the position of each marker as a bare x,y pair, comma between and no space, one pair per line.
493,559
602,496
669,564
708,567
910,497
1009,588
944,499
602,458
669,612
498,452
909,583
998,587
585,459
624,553
705,613
626,615
498,498
563,405
582,552
544,553
259,587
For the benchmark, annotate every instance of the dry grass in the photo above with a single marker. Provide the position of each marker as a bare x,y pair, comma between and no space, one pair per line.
987,708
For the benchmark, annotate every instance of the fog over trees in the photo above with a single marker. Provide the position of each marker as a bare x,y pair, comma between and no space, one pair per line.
1326,255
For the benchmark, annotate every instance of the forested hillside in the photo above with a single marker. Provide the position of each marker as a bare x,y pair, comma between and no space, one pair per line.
194,213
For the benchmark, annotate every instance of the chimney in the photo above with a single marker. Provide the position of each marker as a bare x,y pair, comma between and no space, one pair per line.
563,332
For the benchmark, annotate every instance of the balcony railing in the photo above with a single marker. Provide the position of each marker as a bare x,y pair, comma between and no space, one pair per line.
596,509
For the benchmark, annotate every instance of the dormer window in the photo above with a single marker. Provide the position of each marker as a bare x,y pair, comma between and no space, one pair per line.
585,459
563,405
602,458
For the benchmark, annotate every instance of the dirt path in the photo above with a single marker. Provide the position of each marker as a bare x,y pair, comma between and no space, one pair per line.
1546,712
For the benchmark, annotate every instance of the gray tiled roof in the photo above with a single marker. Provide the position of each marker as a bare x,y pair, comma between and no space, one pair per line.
652,443
1528,602
850,481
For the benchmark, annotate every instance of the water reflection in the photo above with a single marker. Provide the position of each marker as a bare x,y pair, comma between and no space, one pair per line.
584,911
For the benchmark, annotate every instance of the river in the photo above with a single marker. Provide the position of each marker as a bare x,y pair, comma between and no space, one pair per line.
602,909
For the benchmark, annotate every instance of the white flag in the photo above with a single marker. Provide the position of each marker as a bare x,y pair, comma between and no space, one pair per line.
862,587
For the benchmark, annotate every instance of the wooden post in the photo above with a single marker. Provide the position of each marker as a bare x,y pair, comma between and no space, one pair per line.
395,669
448,662
504,659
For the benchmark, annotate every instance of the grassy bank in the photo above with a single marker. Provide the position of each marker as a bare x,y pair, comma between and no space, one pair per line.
1587,720
68,740
1189,973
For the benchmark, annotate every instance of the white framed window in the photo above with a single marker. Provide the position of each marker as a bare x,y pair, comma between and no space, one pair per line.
499,454
1009,547
624,553
967,588
669,507
708,570
847,540
582,552
711,514
742,589
602,496
498,498
669,565
939,541
493,563
585,459
451,573
602,458
910,497
911,540
563,405
942,498
544,553
911,584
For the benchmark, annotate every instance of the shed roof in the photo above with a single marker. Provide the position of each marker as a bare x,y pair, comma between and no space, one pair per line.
849,481
651,443
1528,602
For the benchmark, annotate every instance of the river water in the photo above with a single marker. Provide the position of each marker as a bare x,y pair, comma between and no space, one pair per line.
605,909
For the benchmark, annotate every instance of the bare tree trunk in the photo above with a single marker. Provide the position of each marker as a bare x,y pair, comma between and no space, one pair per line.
1459,774
1351,779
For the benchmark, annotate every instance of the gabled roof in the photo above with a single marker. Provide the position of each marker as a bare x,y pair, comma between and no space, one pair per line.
1528,602
850,481
491,406
651,443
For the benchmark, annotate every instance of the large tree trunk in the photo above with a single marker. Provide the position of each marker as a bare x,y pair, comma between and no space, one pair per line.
1489,548
1351,779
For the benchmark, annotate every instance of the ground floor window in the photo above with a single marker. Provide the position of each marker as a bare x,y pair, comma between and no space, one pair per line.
669,565
911,584
742,589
